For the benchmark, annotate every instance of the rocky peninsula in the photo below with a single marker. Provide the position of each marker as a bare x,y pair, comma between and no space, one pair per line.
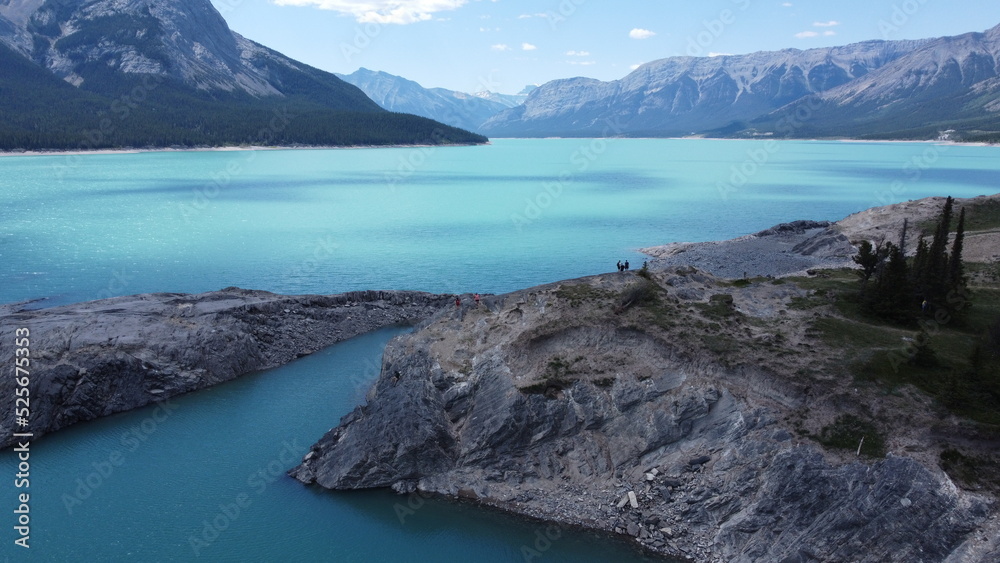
101,357
708,418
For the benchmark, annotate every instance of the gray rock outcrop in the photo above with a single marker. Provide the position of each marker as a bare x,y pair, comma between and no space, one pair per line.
560,403
93,359
788,248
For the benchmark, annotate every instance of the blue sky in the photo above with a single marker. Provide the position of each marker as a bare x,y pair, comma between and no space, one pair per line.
503,45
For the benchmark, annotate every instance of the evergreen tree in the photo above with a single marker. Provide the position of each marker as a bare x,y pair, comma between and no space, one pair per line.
892,294
919,272
934,282
956,272
868,259
923,354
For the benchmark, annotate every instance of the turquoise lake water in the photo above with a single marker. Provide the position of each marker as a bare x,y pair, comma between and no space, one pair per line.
466,219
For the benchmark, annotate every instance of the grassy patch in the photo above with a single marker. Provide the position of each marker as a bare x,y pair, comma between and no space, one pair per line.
847,433
719,306
828,280
641,293
837,287
582,293
982,216
720,344
985,308
847,334
559,374
805,303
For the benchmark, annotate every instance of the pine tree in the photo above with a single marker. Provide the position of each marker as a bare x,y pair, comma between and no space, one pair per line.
892,295
868,259
919,272
956,272
935,275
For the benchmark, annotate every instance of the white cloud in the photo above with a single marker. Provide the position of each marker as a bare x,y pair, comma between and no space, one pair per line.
527,47
577,53
830,23
787,4
500,47
639,33
582,63
713,54
806,34
829,33
535,15
382,11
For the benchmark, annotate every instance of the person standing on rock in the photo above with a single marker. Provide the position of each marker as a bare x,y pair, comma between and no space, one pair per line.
458,301
626,265
476,298
620,267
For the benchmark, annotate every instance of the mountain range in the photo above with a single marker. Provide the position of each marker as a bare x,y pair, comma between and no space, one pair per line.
116,73
125,73
872,89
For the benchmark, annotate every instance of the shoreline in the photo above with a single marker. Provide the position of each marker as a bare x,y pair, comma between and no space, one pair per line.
765,139
253,148
87,152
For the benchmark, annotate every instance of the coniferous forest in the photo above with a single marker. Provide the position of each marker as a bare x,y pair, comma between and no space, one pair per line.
932,285
41,111
929,291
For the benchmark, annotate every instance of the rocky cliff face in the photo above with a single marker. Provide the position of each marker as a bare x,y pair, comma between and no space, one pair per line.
659,409
97,358
184,40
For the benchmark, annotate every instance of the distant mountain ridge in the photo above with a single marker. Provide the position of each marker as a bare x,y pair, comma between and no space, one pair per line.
468,111
185,79
872,88
509,100
396,93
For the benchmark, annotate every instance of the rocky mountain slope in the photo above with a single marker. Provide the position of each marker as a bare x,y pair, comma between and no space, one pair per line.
396,93
936,83
945,83
93,359
172,72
